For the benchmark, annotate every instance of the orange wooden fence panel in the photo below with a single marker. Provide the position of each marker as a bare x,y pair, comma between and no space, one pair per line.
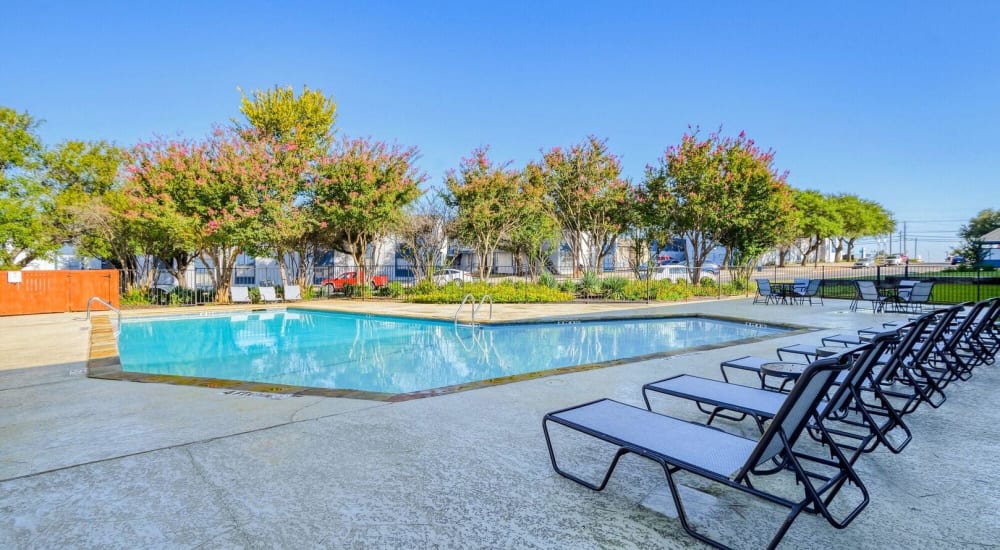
56,291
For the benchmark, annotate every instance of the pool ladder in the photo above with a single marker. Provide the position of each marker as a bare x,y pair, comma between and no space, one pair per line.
101,301
471,300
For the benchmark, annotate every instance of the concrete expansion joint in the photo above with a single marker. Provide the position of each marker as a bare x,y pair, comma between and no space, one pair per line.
220,497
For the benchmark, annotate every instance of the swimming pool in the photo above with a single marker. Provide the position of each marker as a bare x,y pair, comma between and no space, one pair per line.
392,354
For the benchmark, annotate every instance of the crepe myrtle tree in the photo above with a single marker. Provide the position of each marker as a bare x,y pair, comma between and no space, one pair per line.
359,194
221,196
589,198
306,120
488,202
717,191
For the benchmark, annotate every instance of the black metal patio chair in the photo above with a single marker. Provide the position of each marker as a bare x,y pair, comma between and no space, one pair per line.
729,460
764,293
867,291
809,292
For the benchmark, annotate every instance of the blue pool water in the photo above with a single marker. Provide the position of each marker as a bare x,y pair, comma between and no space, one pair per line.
394,355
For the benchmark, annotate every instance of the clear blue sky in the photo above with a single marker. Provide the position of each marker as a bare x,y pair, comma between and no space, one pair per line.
897,102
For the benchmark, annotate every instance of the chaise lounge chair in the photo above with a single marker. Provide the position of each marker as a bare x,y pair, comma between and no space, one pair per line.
729,460
268,295
293,293
859,428
239,295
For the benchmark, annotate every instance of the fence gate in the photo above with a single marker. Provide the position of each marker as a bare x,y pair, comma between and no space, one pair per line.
28,292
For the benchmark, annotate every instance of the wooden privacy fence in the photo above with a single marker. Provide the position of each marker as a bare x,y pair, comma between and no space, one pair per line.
28,292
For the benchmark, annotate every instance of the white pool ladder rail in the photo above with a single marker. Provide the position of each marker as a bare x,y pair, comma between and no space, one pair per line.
471,300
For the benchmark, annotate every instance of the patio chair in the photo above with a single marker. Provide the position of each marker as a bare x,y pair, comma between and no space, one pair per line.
808,292
916,296
799,285
268,295
845,406
867,291
293,293
729,460
905,288
239,295
764,292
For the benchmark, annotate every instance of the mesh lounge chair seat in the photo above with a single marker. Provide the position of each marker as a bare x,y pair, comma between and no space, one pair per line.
293,293
726,459
239,295
268,295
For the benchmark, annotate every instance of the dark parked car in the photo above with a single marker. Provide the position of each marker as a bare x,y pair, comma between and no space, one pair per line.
957,260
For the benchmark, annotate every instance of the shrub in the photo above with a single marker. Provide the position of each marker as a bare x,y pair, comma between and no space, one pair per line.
568,286
548,279
135,297
614,287
589,284
394,289
503,293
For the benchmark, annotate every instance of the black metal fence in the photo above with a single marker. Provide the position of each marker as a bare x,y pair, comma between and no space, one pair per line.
196,287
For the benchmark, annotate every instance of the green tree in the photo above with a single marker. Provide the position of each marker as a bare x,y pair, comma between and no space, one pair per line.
861,218
588,197
25,203
306,122
81,176
537,233
760,201
224,195
488,205
306,119
359,195
820,221
719,191
982,223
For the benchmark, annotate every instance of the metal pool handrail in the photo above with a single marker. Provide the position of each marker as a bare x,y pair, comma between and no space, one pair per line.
100,300
475,307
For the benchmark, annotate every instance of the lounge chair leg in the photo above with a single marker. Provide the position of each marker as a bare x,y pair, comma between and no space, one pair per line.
607,475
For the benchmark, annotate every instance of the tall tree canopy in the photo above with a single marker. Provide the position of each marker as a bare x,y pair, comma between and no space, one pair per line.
982,223
221,196
718,191
588,197
359,196
488,202
820,221
306,119
860,218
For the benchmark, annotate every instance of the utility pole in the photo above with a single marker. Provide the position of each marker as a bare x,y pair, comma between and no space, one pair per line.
904,239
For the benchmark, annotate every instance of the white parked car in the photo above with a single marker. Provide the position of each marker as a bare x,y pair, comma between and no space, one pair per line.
446,276
710,267
864,262
676,273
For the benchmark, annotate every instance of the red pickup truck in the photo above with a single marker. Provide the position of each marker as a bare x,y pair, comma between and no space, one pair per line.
351,278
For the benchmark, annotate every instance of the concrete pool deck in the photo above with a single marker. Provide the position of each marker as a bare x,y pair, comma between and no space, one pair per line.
97,463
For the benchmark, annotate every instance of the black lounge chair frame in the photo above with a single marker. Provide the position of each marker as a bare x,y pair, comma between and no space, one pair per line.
777,443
